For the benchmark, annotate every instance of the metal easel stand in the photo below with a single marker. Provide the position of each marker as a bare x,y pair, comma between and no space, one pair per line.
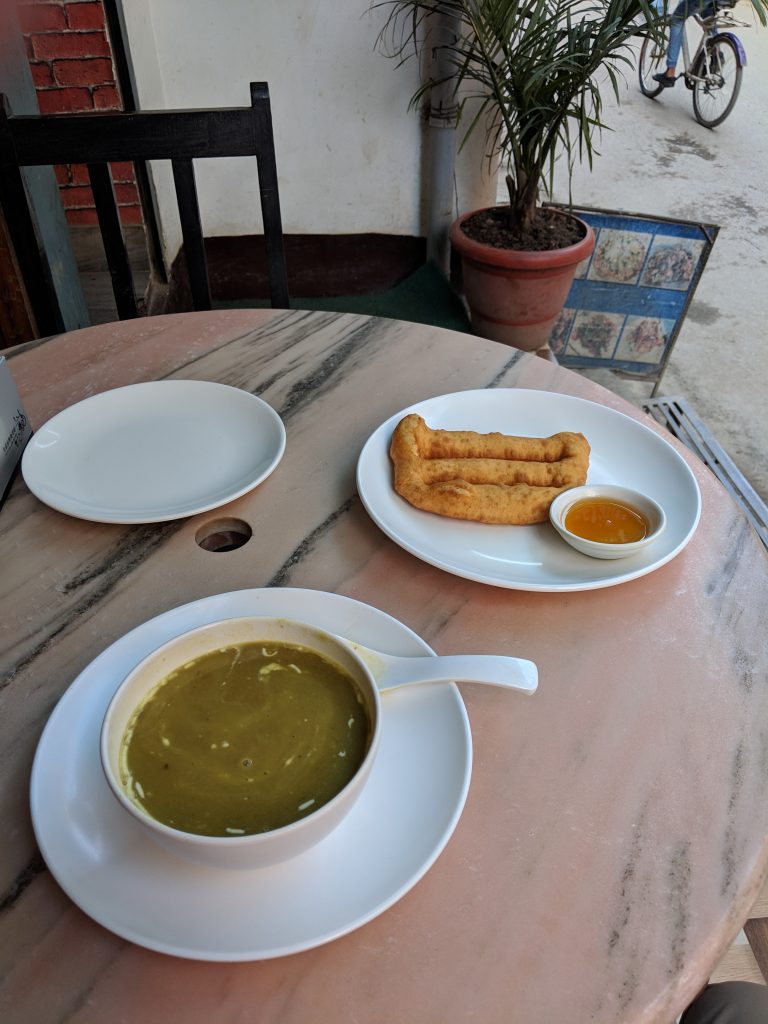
676,414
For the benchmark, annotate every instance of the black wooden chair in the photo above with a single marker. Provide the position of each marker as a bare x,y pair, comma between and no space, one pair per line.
100,138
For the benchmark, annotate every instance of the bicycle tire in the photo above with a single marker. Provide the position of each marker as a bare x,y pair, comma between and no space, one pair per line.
709,96
652,60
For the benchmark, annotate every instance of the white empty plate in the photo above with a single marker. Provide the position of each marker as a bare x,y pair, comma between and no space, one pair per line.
111,868
624,452
153,451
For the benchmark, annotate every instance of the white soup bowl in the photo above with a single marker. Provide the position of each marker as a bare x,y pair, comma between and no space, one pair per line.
237,851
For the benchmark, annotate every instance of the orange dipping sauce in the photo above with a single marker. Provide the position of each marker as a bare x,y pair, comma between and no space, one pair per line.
606,521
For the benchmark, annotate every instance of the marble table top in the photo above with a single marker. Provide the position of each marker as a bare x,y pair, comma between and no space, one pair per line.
615,833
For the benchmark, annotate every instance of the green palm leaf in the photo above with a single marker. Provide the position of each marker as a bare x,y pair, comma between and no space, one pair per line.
534,66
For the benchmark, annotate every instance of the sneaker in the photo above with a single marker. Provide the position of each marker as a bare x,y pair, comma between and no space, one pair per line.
665,81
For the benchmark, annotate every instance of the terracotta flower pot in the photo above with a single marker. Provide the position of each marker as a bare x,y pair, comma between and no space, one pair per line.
515,296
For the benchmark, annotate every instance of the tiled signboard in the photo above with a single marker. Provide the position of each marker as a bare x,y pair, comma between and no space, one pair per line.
627,303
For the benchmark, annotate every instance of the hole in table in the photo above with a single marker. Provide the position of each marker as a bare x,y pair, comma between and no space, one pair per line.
223,535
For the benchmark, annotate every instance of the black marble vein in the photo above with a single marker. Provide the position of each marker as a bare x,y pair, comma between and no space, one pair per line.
96,581
22,881
281,576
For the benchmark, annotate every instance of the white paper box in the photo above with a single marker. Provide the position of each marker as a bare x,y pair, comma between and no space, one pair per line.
15,429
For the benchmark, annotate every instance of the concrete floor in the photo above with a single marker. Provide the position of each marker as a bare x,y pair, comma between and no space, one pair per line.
658,160
94,276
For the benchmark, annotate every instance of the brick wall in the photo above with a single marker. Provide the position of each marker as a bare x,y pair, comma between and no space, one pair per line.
71,63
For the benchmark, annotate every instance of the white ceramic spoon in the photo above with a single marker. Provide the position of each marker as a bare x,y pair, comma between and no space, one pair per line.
391,671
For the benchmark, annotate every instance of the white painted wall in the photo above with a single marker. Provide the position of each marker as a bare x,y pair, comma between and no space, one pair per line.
350,156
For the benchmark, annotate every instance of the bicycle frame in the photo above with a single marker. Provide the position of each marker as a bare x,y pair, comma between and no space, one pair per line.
716,24
713,71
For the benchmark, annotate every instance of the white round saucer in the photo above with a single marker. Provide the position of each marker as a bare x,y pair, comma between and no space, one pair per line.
392,836
624,452
149,452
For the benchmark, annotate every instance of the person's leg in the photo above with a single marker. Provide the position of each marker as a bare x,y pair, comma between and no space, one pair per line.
676,29
729,1002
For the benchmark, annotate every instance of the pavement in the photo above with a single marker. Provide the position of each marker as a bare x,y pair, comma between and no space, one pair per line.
659,160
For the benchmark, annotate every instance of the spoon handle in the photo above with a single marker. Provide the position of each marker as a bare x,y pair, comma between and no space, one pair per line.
514,673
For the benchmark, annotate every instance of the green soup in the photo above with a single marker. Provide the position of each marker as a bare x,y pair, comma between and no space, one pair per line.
245,739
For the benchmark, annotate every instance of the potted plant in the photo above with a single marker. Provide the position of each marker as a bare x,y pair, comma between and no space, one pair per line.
528,70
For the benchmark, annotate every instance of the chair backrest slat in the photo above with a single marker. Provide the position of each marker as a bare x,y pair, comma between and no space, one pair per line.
191,229
98,139
148,135
114,243
22,230
270,207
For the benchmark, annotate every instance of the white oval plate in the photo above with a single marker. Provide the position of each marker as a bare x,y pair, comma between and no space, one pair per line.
624,452
154,451
116,874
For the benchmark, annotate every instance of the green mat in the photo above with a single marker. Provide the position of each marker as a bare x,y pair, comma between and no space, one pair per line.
425,297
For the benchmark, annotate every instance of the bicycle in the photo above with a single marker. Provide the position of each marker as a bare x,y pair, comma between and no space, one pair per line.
714,72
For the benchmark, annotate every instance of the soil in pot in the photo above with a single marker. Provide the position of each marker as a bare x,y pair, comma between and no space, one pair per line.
548,231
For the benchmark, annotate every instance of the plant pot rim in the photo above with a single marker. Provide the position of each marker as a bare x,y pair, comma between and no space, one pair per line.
490,255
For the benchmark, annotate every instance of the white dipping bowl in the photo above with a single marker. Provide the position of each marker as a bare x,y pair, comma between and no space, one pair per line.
263,848
653,513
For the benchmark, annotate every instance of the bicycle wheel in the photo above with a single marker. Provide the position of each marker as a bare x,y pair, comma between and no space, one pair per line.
653,59
718,81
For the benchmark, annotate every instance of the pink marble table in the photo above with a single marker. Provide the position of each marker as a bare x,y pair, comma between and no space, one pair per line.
615,833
